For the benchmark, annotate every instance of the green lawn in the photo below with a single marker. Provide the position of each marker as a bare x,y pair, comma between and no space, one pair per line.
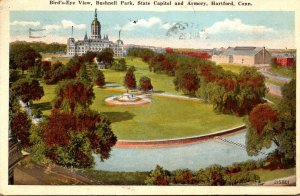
283,71
275,82
164,118
160,82
235,68
275,99
267,175
45,102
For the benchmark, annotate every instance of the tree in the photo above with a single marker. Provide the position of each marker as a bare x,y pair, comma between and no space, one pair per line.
89,56
73,132
183,176
72,94
158,176
145,84
212,175
23,56
187,81
13,75
83,74
106,56
98,77
251,89
119,65
129,80
260,128
287,119
266,125
261,115
20,126
69,139
27,89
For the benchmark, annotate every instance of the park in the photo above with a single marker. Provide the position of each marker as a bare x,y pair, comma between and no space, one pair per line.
185,98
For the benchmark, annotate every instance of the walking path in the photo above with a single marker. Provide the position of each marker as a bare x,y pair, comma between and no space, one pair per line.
274,89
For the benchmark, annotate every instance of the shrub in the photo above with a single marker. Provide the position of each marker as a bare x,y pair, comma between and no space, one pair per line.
183,177
145,84
158,176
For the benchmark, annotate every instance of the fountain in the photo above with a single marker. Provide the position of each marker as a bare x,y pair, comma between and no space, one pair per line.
127,99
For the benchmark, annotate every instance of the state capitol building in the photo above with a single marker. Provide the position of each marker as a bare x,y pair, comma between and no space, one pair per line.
95,43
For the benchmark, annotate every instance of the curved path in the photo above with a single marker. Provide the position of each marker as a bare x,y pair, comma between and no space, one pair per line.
177,141
274,89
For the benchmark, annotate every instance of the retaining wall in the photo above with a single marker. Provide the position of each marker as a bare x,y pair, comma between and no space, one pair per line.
177,141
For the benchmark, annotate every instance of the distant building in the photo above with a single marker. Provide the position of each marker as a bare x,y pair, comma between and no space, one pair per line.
248,56
94,43
285,59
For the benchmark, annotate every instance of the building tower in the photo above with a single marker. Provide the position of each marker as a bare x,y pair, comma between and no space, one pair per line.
96,28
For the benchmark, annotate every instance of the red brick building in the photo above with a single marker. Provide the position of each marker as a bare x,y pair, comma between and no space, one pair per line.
286,61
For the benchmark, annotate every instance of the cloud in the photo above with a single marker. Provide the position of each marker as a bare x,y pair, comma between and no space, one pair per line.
25,23
64,24
145,23
236,25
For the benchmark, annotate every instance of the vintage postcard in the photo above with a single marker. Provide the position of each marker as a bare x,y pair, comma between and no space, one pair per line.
149,97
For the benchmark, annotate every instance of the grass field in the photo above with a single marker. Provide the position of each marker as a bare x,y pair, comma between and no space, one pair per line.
275,99
266,175
160,82
164,118
45,102
283,71
232,67
275,82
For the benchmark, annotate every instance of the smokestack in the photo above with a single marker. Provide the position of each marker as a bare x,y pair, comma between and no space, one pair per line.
264,55
119,34
72,31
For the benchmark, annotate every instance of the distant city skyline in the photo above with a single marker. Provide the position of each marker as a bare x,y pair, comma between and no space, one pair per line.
205,29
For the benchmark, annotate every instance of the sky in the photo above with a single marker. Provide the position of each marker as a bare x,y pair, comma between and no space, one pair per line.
178,29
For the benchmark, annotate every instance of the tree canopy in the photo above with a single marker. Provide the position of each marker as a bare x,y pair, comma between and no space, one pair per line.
145,84
23,56
106,56
72,94
129,80
267,125
27,89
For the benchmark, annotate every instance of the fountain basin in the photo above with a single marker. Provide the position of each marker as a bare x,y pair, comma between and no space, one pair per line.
127,99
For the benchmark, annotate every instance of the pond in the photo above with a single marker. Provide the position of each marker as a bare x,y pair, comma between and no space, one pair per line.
192,156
